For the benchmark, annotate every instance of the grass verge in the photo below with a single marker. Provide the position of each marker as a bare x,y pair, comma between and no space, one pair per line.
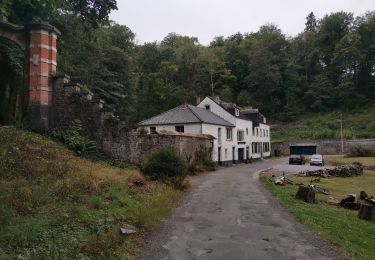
55,205
339,226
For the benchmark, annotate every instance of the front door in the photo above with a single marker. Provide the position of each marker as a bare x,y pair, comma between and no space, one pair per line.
241,153
233,157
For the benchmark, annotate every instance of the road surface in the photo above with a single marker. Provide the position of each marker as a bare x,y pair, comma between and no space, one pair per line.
229,215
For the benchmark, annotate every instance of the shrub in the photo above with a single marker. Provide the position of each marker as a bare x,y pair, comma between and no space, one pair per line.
360,151
204,160
73,139
167,166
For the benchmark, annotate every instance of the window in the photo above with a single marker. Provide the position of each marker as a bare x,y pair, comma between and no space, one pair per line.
266,147
207,107
264,132
240,136
229,134
237,112
247,131
152,130
179,128
257,132
260,132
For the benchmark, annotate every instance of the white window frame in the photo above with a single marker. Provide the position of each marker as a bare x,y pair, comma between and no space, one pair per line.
230,131
240,135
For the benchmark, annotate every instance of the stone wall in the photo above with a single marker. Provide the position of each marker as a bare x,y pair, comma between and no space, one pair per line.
325,146
75,102
133,147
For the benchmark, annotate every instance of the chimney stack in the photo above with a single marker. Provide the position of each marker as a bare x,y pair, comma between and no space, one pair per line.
197,100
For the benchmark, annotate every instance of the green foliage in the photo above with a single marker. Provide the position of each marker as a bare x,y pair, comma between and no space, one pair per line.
48,215
358,123
11,82
360,151
203,161
328,66
93,12
166,165
74,140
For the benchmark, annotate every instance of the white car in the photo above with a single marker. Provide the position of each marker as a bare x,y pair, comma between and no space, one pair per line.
317,159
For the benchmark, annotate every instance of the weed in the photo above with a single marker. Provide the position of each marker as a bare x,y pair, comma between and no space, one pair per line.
166,165
55,205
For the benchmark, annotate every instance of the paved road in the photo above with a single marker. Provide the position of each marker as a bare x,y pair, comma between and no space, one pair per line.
229,215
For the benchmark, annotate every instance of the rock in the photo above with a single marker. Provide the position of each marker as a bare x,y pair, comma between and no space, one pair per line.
340,171
128,230
349,202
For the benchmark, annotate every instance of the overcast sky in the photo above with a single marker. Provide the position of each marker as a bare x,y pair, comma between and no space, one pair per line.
152,20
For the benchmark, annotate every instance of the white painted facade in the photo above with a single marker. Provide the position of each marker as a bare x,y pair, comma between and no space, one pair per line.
242,140
256,142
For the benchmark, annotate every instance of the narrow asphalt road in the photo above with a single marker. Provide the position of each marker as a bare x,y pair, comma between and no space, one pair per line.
229,215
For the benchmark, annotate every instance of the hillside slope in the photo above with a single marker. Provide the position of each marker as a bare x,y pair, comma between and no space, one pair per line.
356,124
55,205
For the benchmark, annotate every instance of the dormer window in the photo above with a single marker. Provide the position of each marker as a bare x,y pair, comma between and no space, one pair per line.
207,107
237,112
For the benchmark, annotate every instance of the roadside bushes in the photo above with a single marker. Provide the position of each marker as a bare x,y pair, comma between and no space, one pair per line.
360,151
203,162
166,166
74,140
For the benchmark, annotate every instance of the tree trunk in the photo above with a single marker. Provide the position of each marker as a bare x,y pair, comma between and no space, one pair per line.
306,194
367,212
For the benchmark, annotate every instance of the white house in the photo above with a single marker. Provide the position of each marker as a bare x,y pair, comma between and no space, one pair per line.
240,133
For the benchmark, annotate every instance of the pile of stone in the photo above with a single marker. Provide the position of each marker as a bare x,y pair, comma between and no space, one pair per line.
340,171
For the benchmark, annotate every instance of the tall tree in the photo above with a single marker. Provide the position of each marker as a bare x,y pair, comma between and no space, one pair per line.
311,23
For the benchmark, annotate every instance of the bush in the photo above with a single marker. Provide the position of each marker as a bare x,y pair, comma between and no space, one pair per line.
167,166
360,151
204,160
73,139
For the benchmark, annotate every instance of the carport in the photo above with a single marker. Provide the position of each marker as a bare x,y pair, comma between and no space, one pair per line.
303,148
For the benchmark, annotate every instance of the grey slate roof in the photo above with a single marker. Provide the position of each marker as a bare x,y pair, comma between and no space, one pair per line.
186,114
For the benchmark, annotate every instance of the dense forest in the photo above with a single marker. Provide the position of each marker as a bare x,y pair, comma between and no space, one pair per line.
329,66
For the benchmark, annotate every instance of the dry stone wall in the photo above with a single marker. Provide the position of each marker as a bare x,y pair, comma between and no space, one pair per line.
74,102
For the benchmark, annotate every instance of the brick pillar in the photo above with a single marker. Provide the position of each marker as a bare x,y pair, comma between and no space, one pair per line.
40,67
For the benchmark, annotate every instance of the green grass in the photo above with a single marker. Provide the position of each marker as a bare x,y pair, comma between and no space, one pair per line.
341,227
55,205
356,124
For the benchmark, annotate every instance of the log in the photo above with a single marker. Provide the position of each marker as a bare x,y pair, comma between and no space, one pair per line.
367,212
307,194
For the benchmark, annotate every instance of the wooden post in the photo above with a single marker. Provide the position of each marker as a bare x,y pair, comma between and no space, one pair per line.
367,212
307,194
